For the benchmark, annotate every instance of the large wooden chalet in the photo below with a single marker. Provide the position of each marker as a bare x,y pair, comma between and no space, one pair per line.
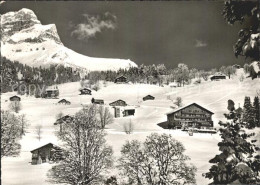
121,79
193,115
118,103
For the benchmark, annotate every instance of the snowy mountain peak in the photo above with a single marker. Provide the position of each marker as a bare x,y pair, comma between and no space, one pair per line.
26,40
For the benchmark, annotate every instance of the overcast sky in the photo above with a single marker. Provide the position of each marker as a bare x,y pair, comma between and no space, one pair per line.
194,33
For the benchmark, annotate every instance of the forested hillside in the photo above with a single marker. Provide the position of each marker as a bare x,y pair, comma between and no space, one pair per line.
17,76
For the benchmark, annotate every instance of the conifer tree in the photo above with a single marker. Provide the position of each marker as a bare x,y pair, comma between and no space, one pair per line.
257,111
239,160
248,114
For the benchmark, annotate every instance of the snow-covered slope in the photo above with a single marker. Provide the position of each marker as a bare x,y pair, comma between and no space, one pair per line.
26,40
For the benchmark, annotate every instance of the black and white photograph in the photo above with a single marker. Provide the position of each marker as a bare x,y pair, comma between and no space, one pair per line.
130,92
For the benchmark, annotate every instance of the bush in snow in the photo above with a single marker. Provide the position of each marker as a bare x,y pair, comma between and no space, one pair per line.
111,181
10,134
96,86
86,155
178,101
159,160
239,160
15,106
128,127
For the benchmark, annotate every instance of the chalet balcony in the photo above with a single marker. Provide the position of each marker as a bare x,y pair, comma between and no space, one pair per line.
193,117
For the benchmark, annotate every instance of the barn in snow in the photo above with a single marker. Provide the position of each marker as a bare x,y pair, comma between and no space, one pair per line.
218,76
44,153
15,98
193,115
124,111
85,91
148,97
51,92
121,79
118,103
63,101
97,101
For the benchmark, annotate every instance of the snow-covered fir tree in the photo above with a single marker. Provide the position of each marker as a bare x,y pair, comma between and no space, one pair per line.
248,114
256,111
239,160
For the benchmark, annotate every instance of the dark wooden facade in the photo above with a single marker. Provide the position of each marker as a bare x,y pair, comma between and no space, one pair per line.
15,98
121,79
148,97
193,115
51,93
85,91
129,112
218,76
97,101
43,154
118,103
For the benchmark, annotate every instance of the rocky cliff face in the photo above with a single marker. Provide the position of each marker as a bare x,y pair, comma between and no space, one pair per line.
26,40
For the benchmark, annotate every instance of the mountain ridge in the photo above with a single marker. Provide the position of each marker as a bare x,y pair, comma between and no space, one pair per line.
26,40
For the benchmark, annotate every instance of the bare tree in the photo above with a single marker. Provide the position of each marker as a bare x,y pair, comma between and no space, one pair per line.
178,101
96,86
39,131
159,160
128,127
23,123
59,116
241,78
10,134
86,154
105,117
15,106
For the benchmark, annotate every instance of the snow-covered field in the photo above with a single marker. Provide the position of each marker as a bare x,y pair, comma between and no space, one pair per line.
200,147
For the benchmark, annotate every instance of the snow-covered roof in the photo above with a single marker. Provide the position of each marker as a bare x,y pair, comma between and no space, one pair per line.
178,109
218,74
44,146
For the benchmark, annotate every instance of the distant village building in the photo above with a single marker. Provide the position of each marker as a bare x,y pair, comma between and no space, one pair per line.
44,153
124,111
129,112
85,91
118,103
121,79
51,92
65,102
148,97
217,76
15,98
191,116
62,120
97,101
